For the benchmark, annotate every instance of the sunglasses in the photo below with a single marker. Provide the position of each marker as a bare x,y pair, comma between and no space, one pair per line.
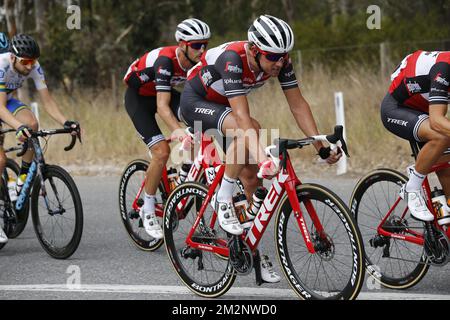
197,45
26,61
273,57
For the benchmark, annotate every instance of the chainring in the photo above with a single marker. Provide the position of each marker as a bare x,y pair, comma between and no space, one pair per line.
241,256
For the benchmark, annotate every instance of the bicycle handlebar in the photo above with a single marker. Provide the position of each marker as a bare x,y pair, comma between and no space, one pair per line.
335,140
45,133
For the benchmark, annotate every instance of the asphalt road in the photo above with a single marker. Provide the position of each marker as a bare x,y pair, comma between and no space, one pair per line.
111,267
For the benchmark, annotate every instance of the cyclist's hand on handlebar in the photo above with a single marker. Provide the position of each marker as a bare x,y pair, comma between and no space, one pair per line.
330,156
23,133
70,124
268,169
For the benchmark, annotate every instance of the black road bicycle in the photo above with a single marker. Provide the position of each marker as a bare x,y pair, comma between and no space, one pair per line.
53,197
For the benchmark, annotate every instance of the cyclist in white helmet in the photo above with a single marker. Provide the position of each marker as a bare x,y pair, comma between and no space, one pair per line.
150,80
219,101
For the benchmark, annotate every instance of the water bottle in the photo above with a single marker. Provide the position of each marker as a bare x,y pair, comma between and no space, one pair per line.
257,200
12,189
440,206
184,170
172,176
240,206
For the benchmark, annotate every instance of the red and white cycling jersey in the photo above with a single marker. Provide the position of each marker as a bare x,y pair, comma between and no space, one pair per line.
422,79
156,71
224,73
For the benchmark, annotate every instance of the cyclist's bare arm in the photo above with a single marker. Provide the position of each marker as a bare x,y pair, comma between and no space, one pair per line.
302,114
51,107
5,115
438,119
241,112
164,111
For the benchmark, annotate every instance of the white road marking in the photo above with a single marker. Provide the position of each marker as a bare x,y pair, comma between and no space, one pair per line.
180,290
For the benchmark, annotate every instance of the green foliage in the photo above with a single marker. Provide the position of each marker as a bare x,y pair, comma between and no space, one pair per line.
114,33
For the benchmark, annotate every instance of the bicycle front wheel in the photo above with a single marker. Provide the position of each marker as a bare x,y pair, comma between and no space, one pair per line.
204,272
336,269
57,212
393,262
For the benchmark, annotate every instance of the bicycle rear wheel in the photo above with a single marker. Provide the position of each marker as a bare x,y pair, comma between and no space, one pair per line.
395,263
336,269
57,212
130,184
205,273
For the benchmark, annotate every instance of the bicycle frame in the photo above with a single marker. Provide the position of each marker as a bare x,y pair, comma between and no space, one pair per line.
35,169
415,237
205,162
286,182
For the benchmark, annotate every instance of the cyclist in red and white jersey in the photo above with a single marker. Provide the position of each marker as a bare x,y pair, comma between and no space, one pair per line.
415,109
215,94
150,80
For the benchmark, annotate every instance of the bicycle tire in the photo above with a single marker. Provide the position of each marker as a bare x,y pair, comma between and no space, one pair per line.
4,220
50,174
381,275
225,277
289,237
139,238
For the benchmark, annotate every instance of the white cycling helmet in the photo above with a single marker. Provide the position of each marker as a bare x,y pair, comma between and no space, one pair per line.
192,30
271,34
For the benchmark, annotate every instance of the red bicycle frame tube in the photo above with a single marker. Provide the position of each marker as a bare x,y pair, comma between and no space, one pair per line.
415,237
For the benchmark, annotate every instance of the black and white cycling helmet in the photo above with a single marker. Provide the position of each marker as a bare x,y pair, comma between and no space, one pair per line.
271,34
192,30
24,46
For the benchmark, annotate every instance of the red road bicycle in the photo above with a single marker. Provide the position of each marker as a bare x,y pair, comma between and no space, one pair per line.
399,249
318,243
132,184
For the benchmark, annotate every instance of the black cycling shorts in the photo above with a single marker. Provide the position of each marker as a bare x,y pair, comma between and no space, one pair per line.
196,111
402,121
142,111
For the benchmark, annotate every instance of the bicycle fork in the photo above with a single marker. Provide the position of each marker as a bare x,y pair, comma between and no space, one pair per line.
298,214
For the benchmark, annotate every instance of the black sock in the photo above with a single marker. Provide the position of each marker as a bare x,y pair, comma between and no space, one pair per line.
25,167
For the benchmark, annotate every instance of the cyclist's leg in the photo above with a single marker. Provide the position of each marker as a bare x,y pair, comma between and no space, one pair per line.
249,170
24,114
444,175
141,111
436,144
196,110
414,125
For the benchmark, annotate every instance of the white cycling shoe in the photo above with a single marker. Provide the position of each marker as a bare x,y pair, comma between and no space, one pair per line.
151,224
227,216
3,237
268,274
416,205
